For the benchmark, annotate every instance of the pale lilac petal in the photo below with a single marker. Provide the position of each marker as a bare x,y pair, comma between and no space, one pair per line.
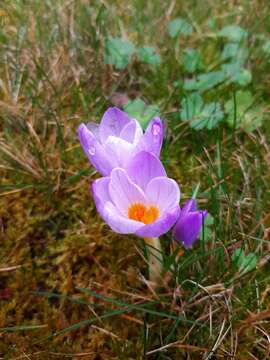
119,151
152,140
163,193
144,167
117,222
123,191
112,122
94,128
190,205
100,190
188,227
131,132
94,151
160,226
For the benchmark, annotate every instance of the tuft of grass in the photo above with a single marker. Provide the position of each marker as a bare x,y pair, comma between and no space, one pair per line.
70,287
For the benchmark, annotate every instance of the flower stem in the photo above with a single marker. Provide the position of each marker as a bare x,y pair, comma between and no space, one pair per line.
155,258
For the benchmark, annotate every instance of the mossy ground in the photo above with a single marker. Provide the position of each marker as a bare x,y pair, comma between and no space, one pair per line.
53,243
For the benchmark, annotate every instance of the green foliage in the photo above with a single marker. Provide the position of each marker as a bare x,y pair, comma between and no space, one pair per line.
205,81
179,26
237,74
149,56
208,228
140,111
192,61
244,262
266,47
233,33
248,115
200,115
118,52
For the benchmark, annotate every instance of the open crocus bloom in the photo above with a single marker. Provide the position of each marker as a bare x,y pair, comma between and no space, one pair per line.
117,139
189,224
139,200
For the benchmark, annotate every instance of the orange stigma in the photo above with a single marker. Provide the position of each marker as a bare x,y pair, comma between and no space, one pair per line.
139,212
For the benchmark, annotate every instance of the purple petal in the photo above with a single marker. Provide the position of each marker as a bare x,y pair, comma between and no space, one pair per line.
123,191
163,193
132,132
100,189
190,205
117,222
188,228
152,140
94,128
94,151
144,167
160,226
112,122
119,150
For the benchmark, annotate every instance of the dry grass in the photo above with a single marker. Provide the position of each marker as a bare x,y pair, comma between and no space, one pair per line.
52,77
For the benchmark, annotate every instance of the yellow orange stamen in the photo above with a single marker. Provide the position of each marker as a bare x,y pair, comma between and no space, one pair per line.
140,212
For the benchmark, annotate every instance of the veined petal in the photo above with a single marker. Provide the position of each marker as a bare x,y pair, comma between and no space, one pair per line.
123,191
118,223
188,228
160,226
100,190
190,205
119,151
112,122
94,151
152,140
163,193
144,167
94,128
131,132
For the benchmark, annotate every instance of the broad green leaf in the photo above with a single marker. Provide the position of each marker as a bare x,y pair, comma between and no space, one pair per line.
140,111
244,262
192,61
191,107
200,115
266,47
237,74
118,52
149,56
248,116
205,81
234,33
210,117
236,53
179,26
230,51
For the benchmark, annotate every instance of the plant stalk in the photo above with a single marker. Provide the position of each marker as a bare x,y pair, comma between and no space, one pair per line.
155,258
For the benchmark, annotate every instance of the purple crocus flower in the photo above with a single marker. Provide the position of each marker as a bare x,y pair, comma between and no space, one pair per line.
140,199
117,139
189,224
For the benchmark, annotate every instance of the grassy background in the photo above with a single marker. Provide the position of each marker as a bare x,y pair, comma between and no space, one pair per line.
53,76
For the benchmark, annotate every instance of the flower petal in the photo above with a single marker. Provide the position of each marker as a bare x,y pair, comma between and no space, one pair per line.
119,150
152,140
112,122
123,191
100,190
131,132
190,205
160,226
118,223
94,128
95,151
144,167
188,228
163,192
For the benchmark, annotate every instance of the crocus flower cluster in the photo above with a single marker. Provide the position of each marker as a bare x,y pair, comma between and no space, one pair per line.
134,194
